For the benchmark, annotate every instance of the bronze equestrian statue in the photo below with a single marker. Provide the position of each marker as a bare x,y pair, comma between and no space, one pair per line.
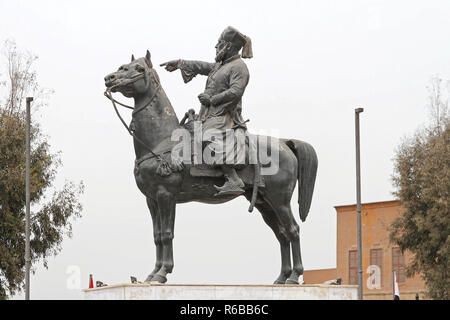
166,181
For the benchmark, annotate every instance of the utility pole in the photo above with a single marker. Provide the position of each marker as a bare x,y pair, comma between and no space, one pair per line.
27,196
358,202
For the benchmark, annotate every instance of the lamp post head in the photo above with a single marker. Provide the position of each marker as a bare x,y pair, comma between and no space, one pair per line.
29,99
359,110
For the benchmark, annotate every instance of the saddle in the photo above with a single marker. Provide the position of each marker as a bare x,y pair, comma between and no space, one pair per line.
172,152
249,173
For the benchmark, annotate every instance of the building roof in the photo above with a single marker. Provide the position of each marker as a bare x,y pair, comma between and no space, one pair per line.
387,203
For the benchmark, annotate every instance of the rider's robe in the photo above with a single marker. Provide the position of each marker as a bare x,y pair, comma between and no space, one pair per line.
225,85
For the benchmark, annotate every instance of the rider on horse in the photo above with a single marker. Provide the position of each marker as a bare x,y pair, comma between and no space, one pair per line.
222,99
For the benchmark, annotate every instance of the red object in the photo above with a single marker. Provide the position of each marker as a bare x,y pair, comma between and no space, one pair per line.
91,281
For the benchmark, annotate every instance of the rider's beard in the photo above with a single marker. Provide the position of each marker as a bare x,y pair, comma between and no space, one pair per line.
220,56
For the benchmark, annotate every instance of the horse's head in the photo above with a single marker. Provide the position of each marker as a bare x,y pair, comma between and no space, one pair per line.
131,79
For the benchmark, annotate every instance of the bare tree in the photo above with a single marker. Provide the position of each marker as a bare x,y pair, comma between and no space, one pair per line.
21,79
438,102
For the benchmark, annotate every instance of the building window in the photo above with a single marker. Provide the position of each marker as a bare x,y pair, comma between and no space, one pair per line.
353,267
376,259
398,264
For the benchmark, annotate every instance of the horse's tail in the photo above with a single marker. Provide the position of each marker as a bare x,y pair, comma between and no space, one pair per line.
307,170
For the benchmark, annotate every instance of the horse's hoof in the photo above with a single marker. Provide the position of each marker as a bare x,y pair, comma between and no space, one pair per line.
159,278
291,281
149,278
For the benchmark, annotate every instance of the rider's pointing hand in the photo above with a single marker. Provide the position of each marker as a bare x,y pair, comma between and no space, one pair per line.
170,65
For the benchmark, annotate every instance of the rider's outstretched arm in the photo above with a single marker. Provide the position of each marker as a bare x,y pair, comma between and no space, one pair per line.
198,67
189,68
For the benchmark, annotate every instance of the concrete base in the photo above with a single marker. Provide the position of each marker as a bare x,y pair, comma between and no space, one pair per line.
150,291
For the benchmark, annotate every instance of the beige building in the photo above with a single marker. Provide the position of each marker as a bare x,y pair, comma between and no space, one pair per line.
379,257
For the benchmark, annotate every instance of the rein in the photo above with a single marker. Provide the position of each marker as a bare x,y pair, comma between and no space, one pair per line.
108,94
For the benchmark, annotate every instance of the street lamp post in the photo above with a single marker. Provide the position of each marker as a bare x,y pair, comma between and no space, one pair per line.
27,199
358,202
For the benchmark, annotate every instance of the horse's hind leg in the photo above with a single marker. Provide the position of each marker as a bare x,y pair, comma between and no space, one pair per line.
153,207
293,231
270,218
297,268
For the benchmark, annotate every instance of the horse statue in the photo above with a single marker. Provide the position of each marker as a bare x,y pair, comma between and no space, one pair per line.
165,183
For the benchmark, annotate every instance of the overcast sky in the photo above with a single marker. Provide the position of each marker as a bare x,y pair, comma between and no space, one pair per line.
314,63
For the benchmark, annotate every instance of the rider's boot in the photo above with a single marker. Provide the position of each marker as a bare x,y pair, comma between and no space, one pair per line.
233,185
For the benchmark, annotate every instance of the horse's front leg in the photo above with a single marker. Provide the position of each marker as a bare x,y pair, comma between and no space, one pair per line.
153,207
166,208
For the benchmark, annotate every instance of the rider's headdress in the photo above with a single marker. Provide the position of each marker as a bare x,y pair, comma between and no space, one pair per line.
239,40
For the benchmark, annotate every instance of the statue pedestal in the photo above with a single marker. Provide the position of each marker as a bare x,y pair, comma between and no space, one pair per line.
150,291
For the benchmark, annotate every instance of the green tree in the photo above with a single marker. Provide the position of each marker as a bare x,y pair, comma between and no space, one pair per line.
422,181
52,210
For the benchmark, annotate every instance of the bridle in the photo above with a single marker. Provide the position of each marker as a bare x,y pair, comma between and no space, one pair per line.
108,94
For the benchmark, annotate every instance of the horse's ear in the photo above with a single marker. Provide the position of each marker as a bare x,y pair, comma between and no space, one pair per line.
148,59
132,57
